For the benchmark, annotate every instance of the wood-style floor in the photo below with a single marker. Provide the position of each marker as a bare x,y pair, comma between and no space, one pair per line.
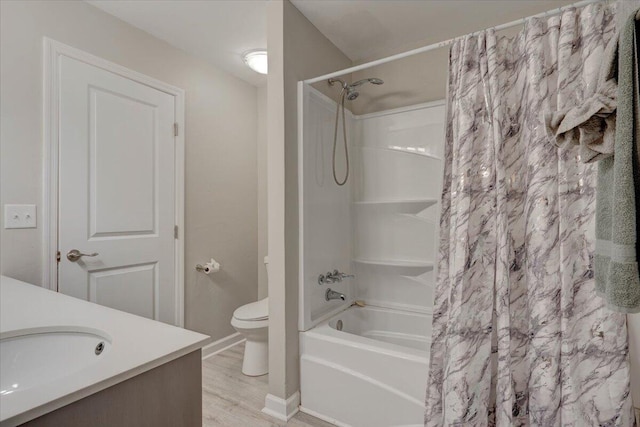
231,399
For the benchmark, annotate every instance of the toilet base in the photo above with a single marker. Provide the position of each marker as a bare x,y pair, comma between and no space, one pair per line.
256,358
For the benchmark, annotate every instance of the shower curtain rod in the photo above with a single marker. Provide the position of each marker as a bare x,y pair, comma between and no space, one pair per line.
445,43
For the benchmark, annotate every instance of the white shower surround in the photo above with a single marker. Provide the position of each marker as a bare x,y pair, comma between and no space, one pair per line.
382,226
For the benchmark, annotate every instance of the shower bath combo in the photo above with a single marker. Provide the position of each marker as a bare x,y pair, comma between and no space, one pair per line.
380,221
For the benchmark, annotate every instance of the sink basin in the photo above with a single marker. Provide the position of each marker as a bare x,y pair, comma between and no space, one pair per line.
37,357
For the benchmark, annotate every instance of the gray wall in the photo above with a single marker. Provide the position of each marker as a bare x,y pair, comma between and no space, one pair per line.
262,191
221,163
297,51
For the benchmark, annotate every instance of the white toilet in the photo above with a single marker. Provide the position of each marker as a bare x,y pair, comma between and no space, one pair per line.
252,321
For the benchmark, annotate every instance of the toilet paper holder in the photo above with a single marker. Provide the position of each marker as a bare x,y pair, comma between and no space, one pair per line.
212,266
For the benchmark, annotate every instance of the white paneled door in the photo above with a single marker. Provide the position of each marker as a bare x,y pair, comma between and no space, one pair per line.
116,192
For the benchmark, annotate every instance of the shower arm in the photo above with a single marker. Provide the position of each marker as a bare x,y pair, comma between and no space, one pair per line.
336,80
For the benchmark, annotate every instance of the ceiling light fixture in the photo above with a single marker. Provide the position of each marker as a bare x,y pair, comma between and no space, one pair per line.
257,60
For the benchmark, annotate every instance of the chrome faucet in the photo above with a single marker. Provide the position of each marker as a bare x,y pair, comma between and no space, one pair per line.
330,295
333,277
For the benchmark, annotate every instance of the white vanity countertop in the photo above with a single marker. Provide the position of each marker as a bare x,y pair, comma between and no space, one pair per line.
137,345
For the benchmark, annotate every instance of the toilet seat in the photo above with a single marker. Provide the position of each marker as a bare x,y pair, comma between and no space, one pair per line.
249,324
253,312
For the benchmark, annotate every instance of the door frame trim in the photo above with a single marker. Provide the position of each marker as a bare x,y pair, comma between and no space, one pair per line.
53,50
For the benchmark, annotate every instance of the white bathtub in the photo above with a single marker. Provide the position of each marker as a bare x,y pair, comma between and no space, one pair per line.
372,373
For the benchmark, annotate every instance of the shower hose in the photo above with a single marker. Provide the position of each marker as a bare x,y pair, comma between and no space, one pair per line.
344,139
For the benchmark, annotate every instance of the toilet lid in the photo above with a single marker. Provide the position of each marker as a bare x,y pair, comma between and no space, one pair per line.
258,310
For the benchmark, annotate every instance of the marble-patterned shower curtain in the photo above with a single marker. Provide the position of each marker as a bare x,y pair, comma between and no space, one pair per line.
519,336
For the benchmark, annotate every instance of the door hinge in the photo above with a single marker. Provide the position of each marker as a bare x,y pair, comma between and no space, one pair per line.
175,129
175,231
58,256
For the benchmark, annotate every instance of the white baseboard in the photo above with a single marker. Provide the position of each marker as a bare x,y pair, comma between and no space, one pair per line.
323,417
221,345
280,408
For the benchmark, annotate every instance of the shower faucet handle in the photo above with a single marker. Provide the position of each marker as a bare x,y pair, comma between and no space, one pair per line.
341,276
326,279
333,277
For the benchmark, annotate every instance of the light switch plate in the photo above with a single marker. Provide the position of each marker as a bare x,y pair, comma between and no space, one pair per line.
20,216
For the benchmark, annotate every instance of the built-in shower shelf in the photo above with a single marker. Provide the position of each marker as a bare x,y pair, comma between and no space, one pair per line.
418,151
405,265
398,206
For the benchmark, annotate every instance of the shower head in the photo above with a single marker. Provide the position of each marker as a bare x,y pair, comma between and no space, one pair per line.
352,94
374,81
349,89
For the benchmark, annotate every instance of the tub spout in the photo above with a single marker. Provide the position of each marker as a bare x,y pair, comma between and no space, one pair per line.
330,295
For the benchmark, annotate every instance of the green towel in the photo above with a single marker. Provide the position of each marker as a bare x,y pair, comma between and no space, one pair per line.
618,197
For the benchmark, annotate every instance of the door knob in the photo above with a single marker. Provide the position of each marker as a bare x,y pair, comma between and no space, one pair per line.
74,255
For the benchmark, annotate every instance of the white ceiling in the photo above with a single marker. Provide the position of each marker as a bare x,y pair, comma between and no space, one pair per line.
218,31
376,28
